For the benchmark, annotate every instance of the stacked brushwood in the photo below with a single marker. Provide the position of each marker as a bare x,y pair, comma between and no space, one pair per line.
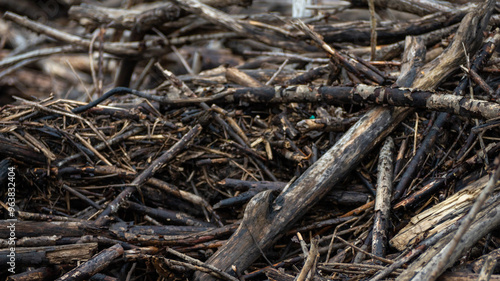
205,140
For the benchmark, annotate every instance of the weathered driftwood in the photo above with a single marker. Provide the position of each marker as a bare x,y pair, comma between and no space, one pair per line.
463,237
130,49
309,269
264,221
259,216
42,232
362,268
63,228
458,276
266,218
81,174
488,268
479,263
479,22
456,242
143,16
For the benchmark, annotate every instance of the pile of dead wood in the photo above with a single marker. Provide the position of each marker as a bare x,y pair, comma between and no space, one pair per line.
213,139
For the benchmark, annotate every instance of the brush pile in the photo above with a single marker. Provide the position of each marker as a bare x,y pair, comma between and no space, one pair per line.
205,140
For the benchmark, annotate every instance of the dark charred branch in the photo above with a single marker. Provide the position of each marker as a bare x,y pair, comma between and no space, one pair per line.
41,273
329,124
146,15
394,50
32,229
188,239
241,185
